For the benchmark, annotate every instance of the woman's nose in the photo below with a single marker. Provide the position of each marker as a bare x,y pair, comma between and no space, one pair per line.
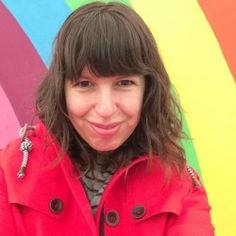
105,104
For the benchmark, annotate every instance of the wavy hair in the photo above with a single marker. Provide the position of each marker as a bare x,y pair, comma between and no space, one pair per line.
112,39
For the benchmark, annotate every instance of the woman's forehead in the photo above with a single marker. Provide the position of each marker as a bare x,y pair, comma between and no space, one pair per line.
87,73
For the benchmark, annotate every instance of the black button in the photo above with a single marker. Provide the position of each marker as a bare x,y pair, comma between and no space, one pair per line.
112,218
138,212
56,205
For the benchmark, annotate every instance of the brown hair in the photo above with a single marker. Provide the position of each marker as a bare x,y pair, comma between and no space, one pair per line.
112,39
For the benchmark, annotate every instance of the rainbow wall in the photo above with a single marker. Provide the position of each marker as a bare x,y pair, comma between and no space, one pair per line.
197,43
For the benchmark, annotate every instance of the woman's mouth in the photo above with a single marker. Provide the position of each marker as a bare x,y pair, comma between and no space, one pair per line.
106,129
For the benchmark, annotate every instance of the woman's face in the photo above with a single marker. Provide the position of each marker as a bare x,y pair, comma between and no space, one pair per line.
105,110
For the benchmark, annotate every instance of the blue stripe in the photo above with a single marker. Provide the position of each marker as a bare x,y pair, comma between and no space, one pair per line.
40,20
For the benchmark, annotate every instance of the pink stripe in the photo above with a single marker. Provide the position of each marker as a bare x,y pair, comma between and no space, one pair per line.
9,124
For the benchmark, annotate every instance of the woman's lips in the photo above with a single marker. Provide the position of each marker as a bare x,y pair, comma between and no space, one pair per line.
106,129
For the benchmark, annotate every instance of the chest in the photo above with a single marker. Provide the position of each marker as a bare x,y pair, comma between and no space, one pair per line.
127,207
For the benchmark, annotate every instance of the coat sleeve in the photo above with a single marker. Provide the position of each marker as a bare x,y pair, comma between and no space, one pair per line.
7,226
194,218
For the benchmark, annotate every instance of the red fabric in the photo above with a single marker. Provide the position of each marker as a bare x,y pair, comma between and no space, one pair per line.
175,208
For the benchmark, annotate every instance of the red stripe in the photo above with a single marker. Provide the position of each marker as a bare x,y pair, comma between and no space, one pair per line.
221,16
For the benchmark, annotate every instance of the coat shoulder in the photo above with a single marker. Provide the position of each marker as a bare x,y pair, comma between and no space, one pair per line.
10,153
34,142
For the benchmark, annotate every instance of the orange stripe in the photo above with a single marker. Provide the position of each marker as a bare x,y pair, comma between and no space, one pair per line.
221,16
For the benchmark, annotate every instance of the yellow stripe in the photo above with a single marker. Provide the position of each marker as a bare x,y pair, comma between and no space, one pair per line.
207,91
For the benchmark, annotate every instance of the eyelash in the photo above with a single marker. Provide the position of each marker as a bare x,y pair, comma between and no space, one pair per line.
125,83
88,84
84,84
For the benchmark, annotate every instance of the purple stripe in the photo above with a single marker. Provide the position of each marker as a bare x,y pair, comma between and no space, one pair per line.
20,66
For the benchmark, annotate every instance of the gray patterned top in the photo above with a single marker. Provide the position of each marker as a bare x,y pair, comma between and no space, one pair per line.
95,183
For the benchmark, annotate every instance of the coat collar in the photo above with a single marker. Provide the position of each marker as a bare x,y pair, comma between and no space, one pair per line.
44,179
143,183
48,176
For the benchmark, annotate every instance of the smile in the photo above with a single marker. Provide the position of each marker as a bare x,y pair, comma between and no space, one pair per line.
106,130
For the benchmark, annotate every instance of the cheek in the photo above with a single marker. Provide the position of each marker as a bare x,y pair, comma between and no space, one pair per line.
132,107
76,107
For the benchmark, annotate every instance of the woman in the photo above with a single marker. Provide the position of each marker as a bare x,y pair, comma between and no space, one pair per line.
105,158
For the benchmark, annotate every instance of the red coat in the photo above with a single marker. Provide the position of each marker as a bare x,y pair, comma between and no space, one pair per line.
50,199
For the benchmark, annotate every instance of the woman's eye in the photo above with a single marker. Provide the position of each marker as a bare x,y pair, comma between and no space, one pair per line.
125,82
84,84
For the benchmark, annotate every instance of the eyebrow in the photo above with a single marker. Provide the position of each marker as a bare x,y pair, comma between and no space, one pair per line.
88,77
84,77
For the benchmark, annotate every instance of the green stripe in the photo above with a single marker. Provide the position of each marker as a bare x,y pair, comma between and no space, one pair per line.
74,4
187,142
189,149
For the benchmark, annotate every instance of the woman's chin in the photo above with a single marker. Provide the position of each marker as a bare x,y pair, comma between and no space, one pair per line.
104,148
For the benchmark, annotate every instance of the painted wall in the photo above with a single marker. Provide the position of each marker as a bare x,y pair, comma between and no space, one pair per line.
197,43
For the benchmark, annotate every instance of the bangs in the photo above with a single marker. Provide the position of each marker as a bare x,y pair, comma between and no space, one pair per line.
107,43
